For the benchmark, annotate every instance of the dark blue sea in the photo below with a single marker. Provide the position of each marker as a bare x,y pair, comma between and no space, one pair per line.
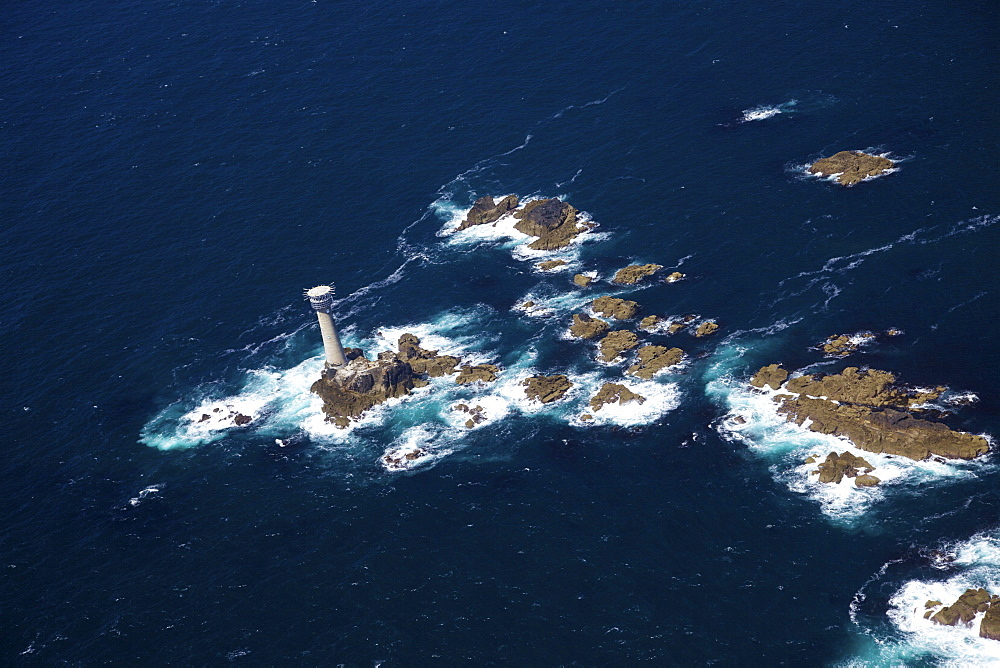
175,174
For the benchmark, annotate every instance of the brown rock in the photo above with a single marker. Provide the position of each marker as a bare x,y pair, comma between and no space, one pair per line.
485,210
772,376
706,328
843,345
612,307
853,166
845,464
425,361
635,273
654,358
586,417
674,277
549,265
241,419
546,388
613,392
964,609
990,626
866,480
484,373
617,342
554,222
870,410
585,327
649,323
582,281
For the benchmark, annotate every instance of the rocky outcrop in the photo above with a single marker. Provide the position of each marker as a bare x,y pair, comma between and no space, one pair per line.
349,391
614,393
852,166
582,280
843,345
677,325
553,221
706,328
477,414
486,211
868,408
617,342
546,388
965,608
649,323
771,376
549,265
674,277
836,467
586,327
990,626
653,358
471,373
613,307
426,362
635,273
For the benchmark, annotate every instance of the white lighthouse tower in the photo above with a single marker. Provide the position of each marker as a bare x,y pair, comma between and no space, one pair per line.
321,298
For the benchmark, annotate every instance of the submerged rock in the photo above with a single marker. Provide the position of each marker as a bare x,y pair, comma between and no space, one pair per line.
611,393
586,327
553,221
869,409
613,307
654,358
546,388
617,342
549,265
485,211
635,273
852,166
582,280
485,373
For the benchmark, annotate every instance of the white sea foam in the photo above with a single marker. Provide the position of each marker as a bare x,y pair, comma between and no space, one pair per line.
417,447
764,111
148,491
976,564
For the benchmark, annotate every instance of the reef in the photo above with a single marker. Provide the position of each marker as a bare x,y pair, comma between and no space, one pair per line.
347,392
851,166
673,277
706,328
613,307
553,221
836,467
635,273
549,265
677,325
471,373
868,408
582,280
546,388
652,359
617,342
843,345
586,327
965,609
485,211
477,414
613,393
650,322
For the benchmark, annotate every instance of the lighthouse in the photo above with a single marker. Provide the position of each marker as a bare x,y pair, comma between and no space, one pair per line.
321,298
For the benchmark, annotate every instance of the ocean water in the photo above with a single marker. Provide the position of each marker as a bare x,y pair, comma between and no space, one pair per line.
176,174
